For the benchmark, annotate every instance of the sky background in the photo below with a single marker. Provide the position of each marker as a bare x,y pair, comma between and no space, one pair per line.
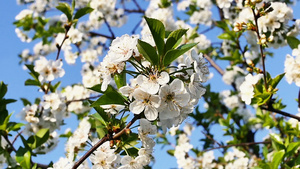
13,74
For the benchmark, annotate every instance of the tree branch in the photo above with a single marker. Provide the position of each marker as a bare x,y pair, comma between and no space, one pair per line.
270,108
103,140
99,34
213,63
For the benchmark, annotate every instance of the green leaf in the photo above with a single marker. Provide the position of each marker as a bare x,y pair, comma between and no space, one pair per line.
101,129
13,126
171,152
173,54
23,157
73,6
33,73
96,88
291,148
4,124
225,35
54,87
261,98
101,117
31,82
120,79
110,96
148,52
276,80
277,158
3,89
174,37
65,8
83,11
25,101
130,151
42,136
293,42
157,29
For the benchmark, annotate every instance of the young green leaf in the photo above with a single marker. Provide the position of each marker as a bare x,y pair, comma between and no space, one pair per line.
274,82
120,79
173,38
173,54
148,52
110,96
65,8
277,158
31,82
83,11
41,137
23,157
157,29
293,42
3,89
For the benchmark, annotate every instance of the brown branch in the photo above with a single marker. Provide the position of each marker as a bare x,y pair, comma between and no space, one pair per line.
134,11
240,144
261,48
270,108
103,140
211,138
19,133
109,28
99,34
213,63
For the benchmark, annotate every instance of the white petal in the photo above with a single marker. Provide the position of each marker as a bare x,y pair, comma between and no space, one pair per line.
182,99
126,160
177,86
136,107
163,78
150,113
155,101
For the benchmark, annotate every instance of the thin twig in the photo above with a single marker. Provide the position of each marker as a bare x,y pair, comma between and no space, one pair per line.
15,139
208,136
137,5
240,144
109,28
261,49
103,140
134,11
99,34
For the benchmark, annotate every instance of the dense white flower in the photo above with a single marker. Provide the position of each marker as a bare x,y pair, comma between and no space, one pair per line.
151,83
62,163
247,89
24,13
146,127
145,102
48,70
201,17
173,97
52,100
130,163
122,48
224,3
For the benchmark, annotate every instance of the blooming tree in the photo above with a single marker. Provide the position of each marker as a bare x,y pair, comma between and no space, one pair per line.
154,77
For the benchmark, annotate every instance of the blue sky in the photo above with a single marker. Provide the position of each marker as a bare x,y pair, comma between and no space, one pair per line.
13,75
